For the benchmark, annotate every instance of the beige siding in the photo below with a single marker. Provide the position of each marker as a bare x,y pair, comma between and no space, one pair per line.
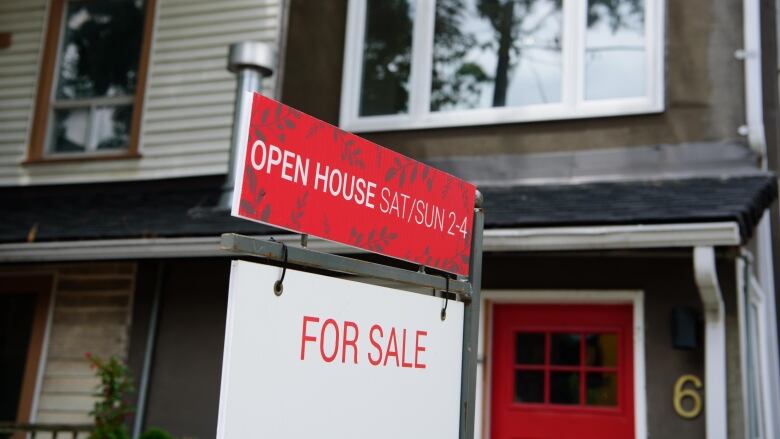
92,310
188,107
18,80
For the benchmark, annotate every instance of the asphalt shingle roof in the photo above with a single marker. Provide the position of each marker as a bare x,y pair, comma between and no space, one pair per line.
183,207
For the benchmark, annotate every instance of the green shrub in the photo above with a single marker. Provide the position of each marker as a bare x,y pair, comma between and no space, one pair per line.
111,409
156,433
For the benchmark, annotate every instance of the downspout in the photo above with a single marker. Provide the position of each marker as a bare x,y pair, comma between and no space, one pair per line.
715,383
754,130
151,339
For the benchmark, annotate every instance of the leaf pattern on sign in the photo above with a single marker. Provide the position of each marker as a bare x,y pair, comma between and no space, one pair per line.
447,186
373,240
316,127
281,120
247,207
298,211
408,171
251,179
352,154
266,213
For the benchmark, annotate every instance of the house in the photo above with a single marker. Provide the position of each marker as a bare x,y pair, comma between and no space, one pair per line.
624,149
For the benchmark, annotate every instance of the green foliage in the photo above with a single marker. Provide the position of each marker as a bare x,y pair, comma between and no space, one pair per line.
156,433
111,409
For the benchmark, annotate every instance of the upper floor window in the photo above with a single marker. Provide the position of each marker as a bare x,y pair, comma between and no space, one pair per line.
424,63
92,80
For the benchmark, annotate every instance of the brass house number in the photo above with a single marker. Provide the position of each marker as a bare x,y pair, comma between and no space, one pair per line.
687,387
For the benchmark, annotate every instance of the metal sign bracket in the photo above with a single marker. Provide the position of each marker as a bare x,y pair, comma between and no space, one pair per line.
467,291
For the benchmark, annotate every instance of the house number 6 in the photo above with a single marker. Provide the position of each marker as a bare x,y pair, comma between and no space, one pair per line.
692,393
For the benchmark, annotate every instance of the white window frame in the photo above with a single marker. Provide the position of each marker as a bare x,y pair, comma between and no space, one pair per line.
572,106
489,298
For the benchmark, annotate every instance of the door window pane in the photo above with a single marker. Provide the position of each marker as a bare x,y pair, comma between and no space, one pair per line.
496,54
387,53
529,386
601,350
565,387
615,49
565,349
100,48
529,348
601,388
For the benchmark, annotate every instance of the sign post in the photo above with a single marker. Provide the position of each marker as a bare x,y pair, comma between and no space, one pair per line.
298,173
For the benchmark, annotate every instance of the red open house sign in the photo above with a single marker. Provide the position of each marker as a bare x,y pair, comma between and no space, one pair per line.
302,174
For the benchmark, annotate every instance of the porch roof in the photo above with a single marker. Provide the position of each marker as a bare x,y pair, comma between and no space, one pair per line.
184,207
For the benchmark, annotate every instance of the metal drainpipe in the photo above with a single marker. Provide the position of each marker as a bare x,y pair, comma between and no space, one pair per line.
706,275
151,338
754,130
251,62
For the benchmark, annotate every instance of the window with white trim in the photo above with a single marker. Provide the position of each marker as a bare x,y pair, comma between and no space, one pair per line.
423,63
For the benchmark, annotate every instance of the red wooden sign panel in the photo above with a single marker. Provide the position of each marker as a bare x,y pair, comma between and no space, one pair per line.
302,174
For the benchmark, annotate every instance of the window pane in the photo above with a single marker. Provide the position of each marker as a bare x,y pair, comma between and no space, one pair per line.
601,350
529,386
565,349
615,49
601,388
112,127
565,387
495,54
70,130
100,48
387,55
529,348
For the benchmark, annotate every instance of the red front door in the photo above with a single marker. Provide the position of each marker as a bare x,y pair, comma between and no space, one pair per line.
562,371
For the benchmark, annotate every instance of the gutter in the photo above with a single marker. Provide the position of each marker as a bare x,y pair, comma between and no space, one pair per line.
495,240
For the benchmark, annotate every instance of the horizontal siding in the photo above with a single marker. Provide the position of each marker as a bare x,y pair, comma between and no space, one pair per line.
24,19
92,309
188,107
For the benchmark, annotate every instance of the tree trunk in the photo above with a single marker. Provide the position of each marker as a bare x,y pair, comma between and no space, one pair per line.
504,45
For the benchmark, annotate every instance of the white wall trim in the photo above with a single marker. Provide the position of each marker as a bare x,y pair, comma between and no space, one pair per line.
44,358
613,237
495,240
606,297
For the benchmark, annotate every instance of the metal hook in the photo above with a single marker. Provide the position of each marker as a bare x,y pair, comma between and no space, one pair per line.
446,298
278,285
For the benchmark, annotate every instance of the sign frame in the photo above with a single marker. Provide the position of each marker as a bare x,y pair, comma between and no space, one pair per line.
466,289
324,354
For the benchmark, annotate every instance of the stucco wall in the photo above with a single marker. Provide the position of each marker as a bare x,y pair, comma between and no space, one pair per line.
704,88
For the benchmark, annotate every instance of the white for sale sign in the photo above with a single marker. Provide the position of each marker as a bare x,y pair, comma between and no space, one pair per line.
333,358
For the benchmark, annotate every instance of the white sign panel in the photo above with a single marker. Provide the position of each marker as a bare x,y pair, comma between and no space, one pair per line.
338,359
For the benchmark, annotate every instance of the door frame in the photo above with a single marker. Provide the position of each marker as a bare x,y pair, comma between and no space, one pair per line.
42,286
635,298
